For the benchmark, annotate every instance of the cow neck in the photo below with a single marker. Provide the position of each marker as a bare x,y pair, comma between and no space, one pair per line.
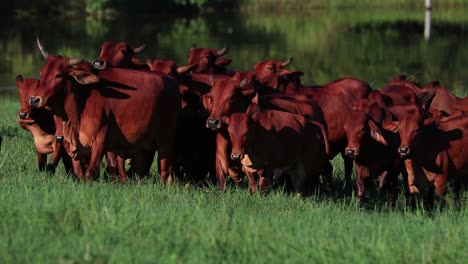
74,99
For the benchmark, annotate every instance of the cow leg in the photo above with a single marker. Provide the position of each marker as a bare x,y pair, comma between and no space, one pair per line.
265,179
411,178
165,170
221,161
362,175
440,184
111,168
252,182
41,160
348,167
97,153
53,162
67,161
327,173
123,177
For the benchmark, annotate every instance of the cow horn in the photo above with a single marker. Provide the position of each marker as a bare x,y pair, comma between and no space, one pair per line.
221,52
42,49
287,62
74,62
139,49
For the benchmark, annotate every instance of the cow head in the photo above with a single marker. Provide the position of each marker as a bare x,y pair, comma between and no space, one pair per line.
225,97
238,125
25,89
118,55
57,74
168,67
207,60
407,120
363,118
269,73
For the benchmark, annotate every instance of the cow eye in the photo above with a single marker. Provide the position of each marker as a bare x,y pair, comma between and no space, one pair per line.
60,75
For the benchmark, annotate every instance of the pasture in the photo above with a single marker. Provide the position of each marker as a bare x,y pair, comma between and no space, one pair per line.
48,218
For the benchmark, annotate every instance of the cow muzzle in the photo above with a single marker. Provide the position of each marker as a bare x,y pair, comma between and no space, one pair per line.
351,152
99,64
23,115
404,150
236,157
213,123
35,101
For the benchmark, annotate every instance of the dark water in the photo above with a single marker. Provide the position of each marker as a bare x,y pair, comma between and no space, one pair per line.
373,45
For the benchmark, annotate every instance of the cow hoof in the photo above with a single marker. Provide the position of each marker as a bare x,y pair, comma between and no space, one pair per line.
187,186
50,169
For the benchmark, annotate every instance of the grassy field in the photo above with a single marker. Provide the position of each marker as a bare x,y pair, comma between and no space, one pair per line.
46,219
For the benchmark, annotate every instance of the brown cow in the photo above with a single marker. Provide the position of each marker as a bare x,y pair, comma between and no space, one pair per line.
440,154
128,112
119,55
373,155
44,126
271,139
208,60
444,100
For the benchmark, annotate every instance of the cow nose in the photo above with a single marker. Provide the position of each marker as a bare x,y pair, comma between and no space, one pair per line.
403,150
99,64
236,157
352,153
213,123
34,101
23,115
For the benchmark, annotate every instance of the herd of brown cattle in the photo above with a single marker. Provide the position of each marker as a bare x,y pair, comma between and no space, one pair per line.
204,119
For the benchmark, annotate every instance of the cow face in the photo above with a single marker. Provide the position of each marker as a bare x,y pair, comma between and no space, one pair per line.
407,120
238,127
118,55
57,74
226,97
206,59
25,89
269,73
363,115
168,67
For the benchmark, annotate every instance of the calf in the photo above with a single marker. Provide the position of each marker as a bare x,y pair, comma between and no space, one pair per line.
270,139
44,126
440,154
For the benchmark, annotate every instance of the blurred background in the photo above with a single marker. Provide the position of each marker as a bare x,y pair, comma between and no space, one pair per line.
328,39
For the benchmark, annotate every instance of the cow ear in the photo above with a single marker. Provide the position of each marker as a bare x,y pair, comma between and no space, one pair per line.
207,100
84,77
225,120
392,126
255,98
425,98
19,79
186,69
376,134
375,112
429,121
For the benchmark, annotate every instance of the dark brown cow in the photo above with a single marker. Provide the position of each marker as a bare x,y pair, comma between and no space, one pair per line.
443,99
45,128
441,155
268,139
119,55
373,155
208,60
127,112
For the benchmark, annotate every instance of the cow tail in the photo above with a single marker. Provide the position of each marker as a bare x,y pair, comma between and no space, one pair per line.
324,134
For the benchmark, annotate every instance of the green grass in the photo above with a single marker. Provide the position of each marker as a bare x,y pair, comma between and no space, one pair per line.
46,219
